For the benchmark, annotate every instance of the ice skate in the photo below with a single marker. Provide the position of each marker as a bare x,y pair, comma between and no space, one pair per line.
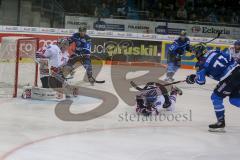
217,127
175,90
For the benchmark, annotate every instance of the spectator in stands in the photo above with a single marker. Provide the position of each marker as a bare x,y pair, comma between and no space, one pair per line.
212,17
102,11
122,8
96,12
226,11
205,11
157,10
170,12
235,18
182,13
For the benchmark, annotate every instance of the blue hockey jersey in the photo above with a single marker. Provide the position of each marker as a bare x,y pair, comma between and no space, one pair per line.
83,44
215,64
180,46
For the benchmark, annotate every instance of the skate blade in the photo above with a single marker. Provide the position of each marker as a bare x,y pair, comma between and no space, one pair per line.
218,130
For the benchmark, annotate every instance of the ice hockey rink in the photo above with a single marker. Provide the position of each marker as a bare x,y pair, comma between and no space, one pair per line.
30,130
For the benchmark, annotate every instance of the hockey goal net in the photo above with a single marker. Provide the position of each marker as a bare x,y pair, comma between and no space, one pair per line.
17,64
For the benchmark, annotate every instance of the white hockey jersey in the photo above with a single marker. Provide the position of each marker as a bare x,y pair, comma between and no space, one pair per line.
234,54
160,100
53,57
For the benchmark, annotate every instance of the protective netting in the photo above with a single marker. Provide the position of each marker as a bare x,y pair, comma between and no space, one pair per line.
17,72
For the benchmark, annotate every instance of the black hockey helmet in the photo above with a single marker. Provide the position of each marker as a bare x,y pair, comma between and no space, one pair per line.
199,50
82,27
183,33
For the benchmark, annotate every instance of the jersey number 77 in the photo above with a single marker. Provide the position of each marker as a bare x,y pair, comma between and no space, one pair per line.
221,62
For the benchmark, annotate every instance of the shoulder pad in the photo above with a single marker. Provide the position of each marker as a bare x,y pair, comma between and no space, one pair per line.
75,35
176,40
88,39
200,64
48,46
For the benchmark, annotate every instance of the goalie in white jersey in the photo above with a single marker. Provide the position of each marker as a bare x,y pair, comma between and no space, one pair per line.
50,59
235,51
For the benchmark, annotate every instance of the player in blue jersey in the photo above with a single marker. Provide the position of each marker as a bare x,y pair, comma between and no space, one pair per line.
176,50
221,67
83,49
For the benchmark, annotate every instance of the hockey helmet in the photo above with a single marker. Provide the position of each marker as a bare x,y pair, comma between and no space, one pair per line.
183,33
62,42
151,95
237,46
199,50
237,43
82,27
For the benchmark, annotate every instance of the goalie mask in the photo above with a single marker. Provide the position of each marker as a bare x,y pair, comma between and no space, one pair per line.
62,43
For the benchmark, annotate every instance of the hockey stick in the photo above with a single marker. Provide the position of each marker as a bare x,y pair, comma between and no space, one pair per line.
134,85
218,35
168,84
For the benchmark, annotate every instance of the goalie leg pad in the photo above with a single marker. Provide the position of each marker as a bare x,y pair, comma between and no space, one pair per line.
41,94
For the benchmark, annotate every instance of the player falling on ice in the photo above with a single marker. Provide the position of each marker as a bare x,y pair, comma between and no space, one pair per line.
83,49
221,67
154,97
174,55
235,51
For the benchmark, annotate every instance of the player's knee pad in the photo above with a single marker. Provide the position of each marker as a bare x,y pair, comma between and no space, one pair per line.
217,102
235,101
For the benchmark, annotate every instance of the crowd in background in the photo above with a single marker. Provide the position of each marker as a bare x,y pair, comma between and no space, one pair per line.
215,11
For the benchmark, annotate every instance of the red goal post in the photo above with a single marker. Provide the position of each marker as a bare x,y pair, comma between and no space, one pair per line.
18,67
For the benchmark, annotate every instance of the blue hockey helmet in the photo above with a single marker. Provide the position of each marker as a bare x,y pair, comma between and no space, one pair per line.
237,43
151,95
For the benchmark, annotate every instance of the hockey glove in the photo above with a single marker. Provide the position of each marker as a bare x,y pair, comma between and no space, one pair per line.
191,79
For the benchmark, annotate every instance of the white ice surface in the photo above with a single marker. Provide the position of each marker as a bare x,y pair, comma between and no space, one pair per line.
29,130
